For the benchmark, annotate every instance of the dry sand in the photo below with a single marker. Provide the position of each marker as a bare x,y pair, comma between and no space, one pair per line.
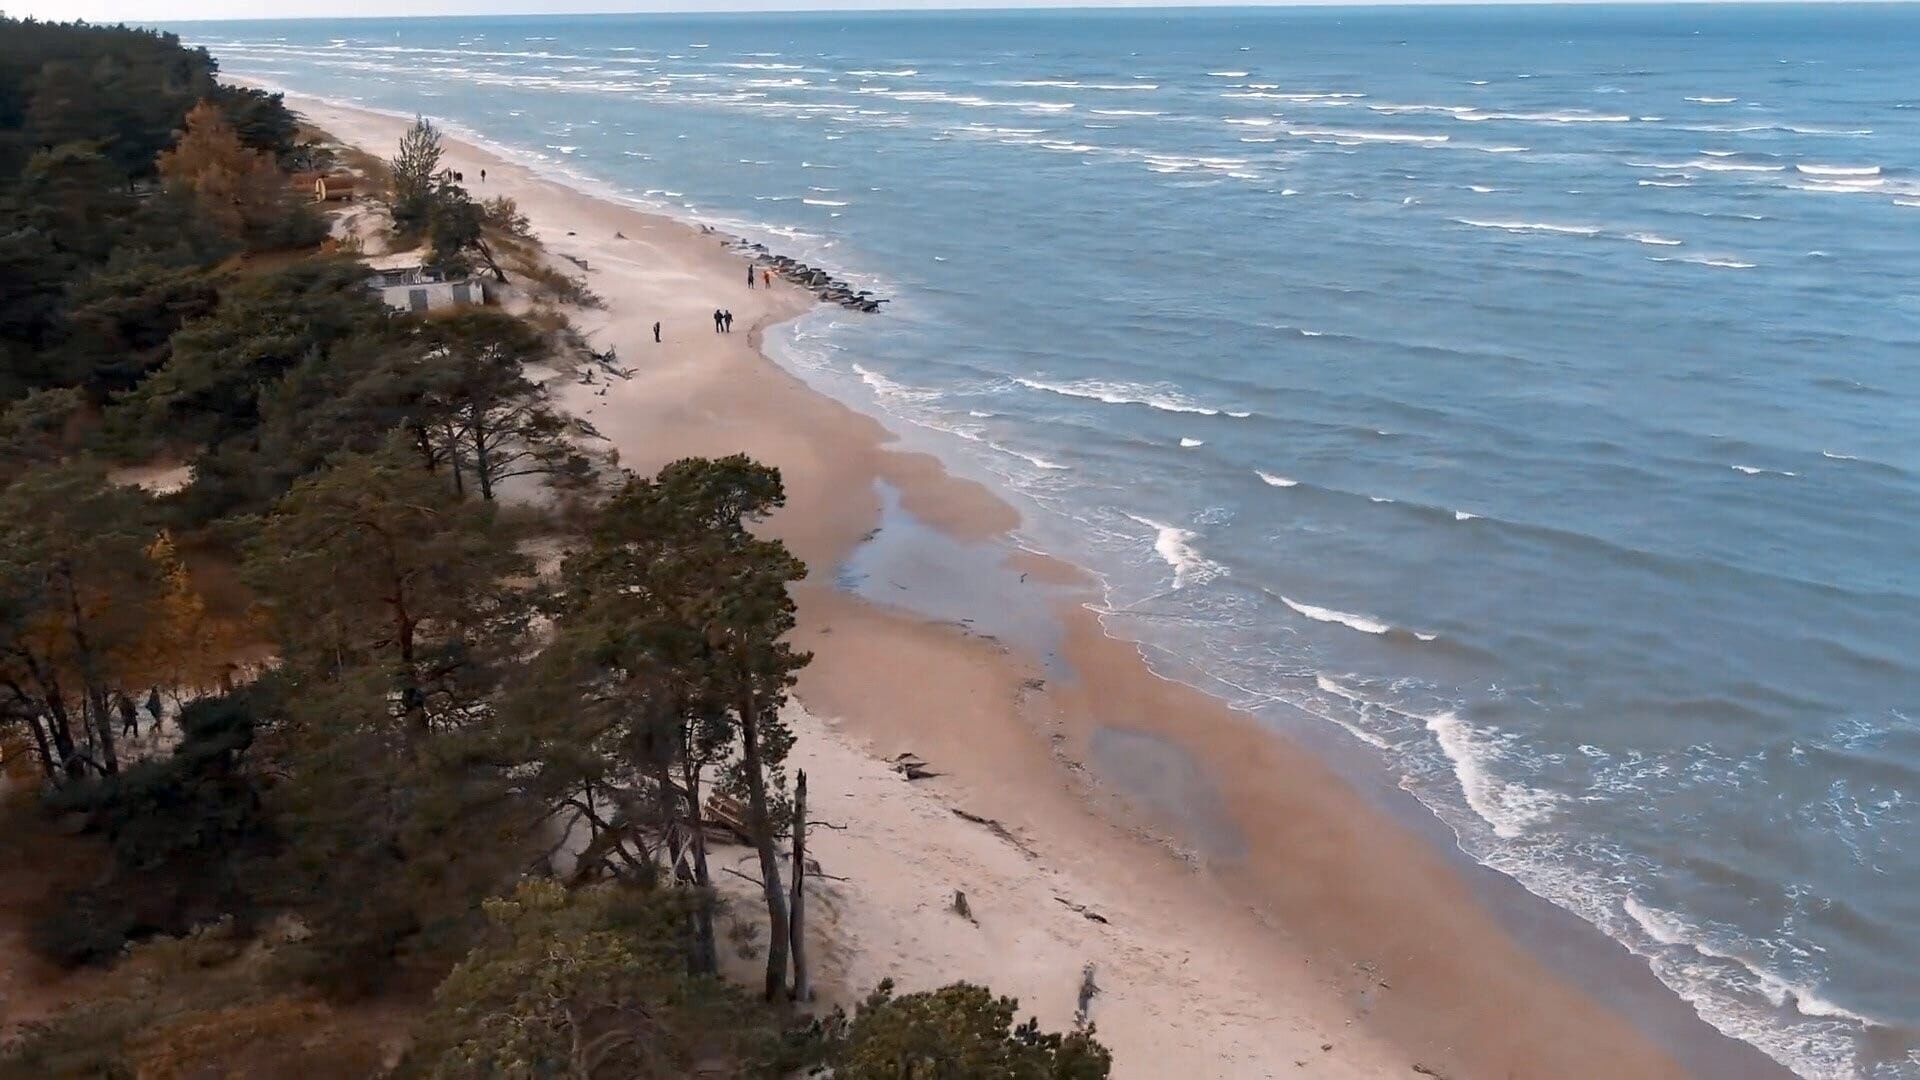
1261,918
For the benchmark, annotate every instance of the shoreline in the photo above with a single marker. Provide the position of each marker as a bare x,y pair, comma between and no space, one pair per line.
1238,868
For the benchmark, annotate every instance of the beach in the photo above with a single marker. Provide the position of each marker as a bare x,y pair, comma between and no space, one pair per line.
1244,910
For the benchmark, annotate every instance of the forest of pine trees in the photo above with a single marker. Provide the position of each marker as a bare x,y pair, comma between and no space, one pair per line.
316,735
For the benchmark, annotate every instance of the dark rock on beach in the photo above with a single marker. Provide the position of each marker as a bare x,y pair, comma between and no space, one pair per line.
822,284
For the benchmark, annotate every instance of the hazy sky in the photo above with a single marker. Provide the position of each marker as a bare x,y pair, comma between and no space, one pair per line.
173,10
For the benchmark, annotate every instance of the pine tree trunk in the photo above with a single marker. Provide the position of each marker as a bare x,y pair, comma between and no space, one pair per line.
797,907
59,725
706,957
453,461
40,745
760,820
93,699
482,452
95,709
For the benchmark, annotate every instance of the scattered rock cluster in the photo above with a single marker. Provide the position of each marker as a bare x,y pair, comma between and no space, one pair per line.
822,284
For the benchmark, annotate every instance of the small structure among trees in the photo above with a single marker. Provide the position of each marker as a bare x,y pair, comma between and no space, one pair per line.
420,288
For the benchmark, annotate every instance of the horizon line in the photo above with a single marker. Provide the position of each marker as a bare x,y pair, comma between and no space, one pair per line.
939,6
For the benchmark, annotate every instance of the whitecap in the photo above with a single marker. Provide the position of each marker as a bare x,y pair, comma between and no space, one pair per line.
1228,74
1191,443
1174,545
884,387
1713,100
1654,239
1716,262
1347,619
1365,136
1838,170
1668,928
1509,807
1273,480
1530,226
823,202
1462,515
1116,393
1035,460
1475,116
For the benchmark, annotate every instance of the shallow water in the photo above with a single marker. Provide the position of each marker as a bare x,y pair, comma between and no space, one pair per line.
1531,392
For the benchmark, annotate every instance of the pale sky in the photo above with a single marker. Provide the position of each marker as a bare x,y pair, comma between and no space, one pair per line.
153,11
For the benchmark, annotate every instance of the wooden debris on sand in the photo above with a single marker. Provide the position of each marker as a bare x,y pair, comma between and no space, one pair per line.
729,816
912,766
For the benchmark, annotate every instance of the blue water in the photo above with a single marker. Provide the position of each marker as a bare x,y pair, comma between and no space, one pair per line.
1530,392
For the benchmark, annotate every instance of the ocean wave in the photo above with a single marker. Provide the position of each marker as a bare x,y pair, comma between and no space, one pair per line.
1174,545
1713,100
1228,74
1531,227
889,389
823,202
1837,170
1273,480
1654,239
873,73
1669,929
1035,460
1362,623
1571,117
1755,470
1719,263
1512,809
1365,136
1191,443
1117,393
1329,686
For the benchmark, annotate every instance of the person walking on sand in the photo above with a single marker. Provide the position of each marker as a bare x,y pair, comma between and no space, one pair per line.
717,320
483,176
766,277
729,318
656,333
749,275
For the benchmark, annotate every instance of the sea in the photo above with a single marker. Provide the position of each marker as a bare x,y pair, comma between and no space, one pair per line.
1527,396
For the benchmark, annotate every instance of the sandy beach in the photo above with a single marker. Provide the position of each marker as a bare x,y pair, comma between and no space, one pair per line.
1246,912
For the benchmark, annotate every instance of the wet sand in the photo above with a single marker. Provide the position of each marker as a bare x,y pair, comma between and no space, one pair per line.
1258,905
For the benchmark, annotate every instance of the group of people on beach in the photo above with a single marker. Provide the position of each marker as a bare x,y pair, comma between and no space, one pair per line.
722,317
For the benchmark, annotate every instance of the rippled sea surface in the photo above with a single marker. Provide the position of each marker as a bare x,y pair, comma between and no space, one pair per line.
1533,393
